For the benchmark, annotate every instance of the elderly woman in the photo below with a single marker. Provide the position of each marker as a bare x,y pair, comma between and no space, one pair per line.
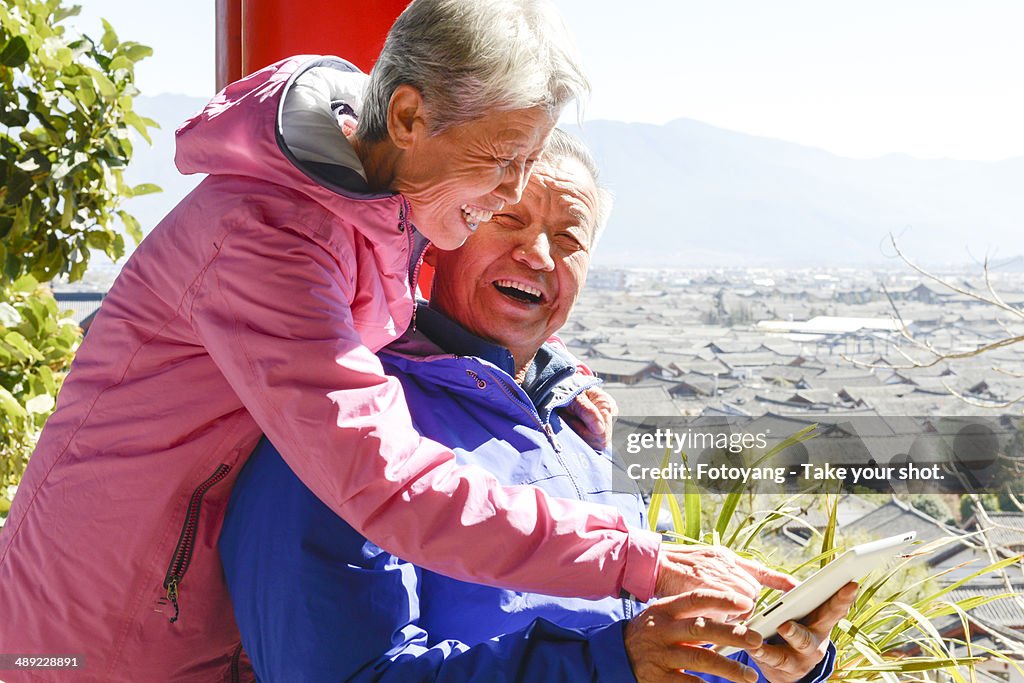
255,306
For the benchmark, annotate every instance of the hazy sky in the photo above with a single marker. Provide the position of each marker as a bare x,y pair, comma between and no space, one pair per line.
930,78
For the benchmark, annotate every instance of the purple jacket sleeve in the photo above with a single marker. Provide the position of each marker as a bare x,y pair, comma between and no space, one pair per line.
273,311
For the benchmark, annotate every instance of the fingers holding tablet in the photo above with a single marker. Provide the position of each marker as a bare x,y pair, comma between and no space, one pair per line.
804,644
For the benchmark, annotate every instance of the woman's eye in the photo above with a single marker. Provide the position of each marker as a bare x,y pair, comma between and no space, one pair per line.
505,163
507,219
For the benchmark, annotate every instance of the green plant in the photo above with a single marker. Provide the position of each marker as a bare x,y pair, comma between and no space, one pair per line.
989,501
933,506
65,116
889,634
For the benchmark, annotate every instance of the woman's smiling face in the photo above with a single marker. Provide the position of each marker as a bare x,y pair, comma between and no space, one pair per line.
457,179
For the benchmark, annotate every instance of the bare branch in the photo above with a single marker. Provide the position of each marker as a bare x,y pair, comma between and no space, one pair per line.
1010,373
939,355
991,289
997,302
960,346
896,310
979,403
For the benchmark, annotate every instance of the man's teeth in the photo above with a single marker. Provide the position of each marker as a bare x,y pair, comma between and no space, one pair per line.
509,284
474,215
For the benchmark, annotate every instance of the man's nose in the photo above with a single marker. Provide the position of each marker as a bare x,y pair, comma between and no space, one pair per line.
535,251
512,184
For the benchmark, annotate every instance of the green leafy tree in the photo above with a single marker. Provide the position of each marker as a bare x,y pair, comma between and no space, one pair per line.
65,116
933,506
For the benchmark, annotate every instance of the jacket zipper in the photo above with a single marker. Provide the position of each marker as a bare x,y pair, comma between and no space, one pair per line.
414,272
186,541
545,427
628,609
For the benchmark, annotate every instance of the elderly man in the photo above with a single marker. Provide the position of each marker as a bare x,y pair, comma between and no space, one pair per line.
314,600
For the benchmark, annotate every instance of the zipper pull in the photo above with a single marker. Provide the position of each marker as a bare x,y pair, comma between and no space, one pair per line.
172,595
552,438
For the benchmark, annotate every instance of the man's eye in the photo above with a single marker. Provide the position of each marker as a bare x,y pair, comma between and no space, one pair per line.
569,241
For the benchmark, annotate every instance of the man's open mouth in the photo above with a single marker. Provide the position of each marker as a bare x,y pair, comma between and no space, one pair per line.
519,291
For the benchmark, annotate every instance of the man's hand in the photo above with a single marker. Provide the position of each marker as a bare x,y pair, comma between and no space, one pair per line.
804,643
666,637
591,416
686,568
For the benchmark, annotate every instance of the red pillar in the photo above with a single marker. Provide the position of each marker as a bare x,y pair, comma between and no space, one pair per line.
254,33
229,41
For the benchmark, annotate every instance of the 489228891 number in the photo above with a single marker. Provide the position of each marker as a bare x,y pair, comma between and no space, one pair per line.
18,661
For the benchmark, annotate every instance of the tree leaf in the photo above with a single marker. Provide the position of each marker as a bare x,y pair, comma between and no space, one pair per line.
136,52
131,225
109,39
63,13
87,96
145,188
18,187
14,118
40,404
98,239
106,87
9,316
136,122
15,53
16,341
121,62
10,405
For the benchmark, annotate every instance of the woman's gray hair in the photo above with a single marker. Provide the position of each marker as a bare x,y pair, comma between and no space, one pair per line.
563,145
468,57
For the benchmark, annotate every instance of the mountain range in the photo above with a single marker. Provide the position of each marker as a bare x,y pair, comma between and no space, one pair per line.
690,194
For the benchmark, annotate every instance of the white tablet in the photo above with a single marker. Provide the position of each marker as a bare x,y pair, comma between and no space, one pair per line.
851,565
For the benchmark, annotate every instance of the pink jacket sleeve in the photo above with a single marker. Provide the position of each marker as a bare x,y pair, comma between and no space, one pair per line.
273,312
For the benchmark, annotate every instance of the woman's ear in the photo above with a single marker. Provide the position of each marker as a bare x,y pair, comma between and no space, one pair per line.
406,116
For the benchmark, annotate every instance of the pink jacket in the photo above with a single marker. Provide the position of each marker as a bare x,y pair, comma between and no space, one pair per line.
256,306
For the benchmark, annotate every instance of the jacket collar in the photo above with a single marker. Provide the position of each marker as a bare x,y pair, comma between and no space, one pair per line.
547,373
317,99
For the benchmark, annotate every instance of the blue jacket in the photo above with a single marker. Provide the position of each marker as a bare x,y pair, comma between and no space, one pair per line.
315,601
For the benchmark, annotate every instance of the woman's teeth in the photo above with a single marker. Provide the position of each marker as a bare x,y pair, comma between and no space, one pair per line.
474,216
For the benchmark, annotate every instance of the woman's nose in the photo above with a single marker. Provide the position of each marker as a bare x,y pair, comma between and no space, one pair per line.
512,184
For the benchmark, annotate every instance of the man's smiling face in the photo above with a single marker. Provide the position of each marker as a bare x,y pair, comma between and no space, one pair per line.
514,281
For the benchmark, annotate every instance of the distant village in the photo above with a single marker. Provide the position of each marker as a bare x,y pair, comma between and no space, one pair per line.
810,346
757,341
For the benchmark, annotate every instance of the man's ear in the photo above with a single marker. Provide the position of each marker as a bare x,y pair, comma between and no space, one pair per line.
430,256
406,116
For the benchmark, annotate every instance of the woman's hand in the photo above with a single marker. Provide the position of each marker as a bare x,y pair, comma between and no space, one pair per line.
686,568
591,416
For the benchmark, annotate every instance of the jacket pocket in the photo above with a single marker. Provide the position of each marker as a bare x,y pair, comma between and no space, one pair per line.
186,541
